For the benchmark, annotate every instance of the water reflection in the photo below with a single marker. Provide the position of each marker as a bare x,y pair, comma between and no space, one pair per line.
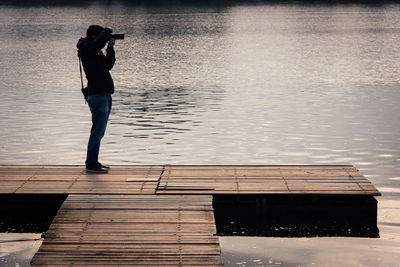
334,251
162,110
16,250
169,71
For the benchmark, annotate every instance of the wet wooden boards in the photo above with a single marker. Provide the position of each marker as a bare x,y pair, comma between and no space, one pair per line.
320,180
75,180
105,230
206,180
157,215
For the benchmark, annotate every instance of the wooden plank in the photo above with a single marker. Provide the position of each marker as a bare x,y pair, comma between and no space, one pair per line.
343,179
185,179
74,179
132,230
157,215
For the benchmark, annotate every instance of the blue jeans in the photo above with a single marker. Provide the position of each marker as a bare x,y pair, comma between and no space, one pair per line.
100,107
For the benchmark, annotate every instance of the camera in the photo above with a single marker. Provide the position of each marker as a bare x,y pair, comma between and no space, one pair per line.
118,36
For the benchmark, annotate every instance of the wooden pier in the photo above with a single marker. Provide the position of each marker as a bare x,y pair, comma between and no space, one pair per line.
157,215
148,230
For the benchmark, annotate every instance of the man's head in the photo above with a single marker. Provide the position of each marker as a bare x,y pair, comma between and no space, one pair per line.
93,31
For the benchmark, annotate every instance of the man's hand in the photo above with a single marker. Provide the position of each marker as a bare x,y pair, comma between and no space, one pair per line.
107,33
111,43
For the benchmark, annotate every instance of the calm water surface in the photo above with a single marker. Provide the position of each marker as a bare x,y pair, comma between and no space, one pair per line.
265,84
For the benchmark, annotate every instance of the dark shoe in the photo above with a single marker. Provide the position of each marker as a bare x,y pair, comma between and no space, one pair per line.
96,169
103,166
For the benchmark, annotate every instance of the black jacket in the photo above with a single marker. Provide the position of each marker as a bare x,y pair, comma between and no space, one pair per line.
97,66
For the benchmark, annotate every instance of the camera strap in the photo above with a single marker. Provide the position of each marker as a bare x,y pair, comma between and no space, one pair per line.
83,89
80,70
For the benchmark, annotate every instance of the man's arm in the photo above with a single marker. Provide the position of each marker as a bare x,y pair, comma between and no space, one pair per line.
98,44
110,54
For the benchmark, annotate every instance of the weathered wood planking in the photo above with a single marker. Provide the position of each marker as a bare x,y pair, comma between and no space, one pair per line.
157,215
75,180
143,230
343,179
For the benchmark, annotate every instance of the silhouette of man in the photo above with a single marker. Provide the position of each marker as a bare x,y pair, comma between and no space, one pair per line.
97,68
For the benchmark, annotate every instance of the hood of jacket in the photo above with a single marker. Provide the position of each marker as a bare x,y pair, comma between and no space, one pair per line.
81,43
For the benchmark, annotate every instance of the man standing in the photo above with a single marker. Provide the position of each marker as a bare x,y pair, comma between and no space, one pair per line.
97,68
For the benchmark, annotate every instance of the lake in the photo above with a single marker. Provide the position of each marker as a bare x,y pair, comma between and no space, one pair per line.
226,83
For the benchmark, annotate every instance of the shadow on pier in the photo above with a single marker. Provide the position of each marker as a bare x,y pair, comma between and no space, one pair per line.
235,215
296,216
28,213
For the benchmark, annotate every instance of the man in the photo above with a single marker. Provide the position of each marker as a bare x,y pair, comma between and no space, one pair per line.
97,68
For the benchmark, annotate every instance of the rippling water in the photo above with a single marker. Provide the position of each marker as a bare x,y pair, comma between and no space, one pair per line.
224,84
